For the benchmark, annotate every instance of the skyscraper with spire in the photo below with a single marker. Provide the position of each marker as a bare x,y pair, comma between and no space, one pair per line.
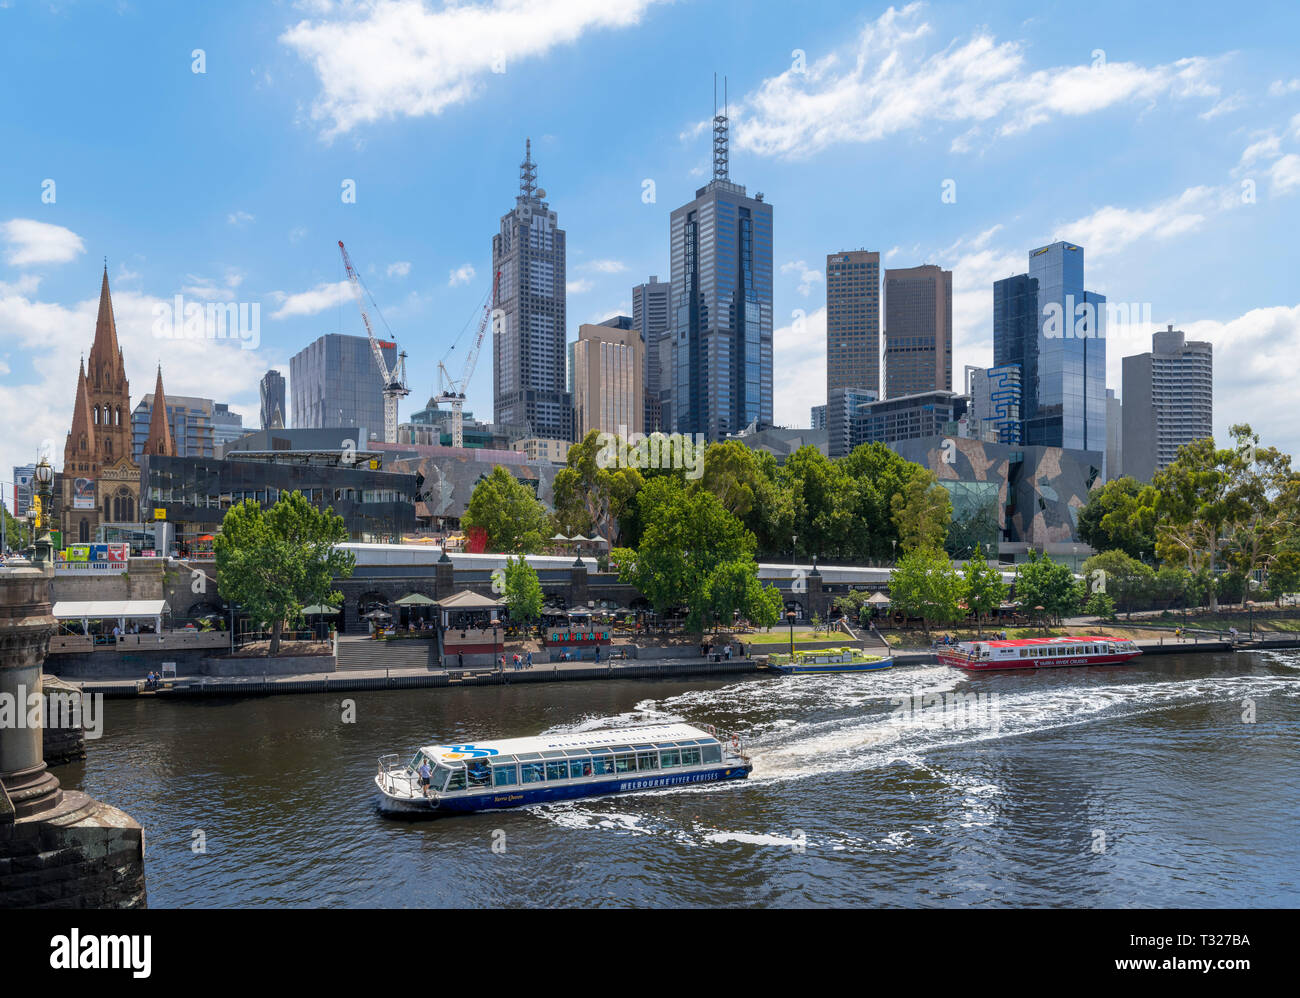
721,259
100,483
528,329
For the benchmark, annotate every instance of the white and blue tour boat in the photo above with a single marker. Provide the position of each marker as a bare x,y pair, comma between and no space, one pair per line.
516,772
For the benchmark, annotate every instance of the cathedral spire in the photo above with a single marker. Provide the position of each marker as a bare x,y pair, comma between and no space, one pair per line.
83,425
105,353
159,442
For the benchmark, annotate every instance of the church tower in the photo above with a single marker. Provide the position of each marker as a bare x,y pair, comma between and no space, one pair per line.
100,481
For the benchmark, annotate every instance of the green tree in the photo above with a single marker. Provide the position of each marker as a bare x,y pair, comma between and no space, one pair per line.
1265,494
925,584
509,512
922,512
688,536
818,493
1100,605
731,474
523,591
876,475
1123,577
1284,573
593,492
17,533
273,562
1110,520
1043,582
733,588
982,586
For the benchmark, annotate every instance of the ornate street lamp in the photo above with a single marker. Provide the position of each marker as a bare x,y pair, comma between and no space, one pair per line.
44,476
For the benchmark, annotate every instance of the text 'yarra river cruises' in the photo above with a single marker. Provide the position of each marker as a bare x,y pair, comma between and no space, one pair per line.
1039,653
515,772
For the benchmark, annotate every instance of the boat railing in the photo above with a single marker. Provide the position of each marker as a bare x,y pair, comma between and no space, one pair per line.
731,741
389,763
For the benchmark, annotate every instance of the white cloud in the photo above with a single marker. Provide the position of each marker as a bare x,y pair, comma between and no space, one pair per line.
1226,106
461,275
239,218
887,84
799,369
39,242
808,276
1280,88
578,287
399,269
313,302
606,266
379,59
297,233
1111,229
1284,175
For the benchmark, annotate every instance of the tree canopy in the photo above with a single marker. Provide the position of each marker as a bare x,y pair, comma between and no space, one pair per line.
273,562
508,511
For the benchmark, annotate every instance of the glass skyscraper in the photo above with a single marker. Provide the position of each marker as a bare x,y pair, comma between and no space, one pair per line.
528,334
1046,322
334,382
721,249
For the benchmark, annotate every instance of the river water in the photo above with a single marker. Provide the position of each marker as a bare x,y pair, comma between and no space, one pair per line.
1144,785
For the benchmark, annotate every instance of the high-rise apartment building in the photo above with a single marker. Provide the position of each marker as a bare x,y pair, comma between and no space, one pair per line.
918,330
1114,435
819,417
528,335
1168,397
651,303
334,382
1046,322
608,381
853,321
996,395
197,425
721,252
843,427
271,390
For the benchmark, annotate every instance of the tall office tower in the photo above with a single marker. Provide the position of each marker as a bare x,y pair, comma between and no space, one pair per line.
1168,401
334,382
608,381
918,330
853,321
650,306
819,417
996,395
1114,436
1055,330
841,410
721,250
528,337
271,389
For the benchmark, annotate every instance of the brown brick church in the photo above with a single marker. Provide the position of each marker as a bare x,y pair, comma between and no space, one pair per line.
99,495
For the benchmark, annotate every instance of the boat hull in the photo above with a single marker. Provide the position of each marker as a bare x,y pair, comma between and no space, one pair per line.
1003,665
518,796
836,668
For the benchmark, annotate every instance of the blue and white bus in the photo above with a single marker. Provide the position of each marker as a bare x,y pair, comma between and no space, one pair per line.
515,772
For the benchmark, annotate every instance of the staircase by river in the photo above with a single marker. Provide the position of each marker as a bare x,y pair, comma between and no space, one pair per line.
367,653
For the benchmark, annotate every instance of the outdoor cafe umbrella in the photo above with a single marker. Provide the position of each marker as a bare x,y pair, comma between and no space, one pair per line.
414,599
316,610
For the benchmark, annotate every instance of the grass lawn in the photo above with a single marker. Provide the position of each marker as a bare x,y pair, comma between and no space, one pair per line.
779,636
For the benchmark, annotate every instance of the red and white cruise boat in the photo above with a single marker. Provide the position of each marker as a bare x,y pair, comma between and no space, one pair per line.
1039,653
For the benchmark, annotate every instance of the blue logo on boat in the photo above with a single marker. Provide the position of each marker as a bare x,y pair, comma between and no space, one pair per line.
468,752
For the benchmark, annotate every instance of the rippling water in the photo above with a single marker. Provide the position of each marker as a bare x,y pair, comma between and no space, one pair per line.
1135,786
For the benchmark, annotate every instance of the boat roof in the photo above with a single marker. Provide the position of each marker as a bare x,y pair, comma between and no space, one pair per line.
1022,642
576,743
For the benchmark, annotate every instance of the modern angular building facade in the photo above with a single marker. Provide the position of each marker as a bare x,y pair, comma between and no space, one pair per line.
853,321
334,382
528,335
1046,322
1168,401
918,330
721,250
271,391
651,305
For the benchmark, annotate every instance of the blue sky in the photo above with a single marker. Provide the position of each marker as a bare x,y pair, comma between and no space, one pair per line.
1164,139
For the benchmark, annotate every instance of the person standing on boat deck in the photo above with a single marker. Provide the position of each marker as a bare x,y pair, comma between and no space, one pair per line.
426,775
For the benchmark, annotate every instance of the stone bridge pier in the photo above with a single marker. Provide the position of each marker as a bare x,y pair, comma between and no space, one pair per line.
58,848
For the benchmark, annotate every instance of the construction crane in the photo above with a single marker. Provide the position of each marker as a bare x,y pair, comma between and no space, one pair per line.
394,381
453,392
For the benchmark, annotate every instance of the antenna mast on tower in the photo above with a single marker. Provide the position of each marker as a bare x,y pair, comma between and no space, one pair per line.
720,131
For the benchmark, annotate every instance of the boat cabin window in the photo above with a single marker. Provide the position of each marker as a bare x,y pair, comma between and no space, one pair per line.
711,753
625,763
455,780
691,756
532,772
505,776
670,758
647,760
602,765
557,770
479,774
579,768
